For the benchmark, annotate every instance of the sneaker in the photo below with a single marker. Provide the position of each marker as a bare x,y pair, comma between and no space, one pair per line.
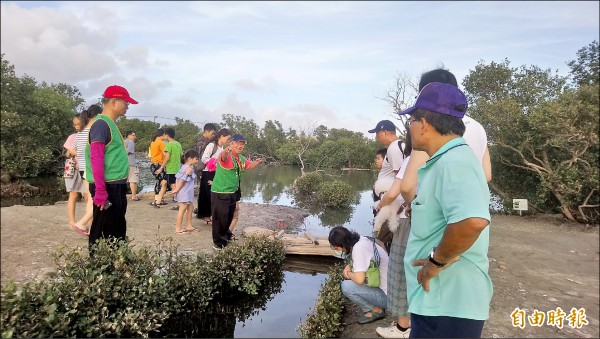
392,332
217,248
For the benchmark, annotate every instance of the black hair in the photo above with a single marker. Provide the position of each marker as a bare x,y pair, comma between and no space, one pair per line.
170,132
437,75
189,154
222,132
209,127
342,237
442,123
159,133
382,152
407,141
89,114
128,133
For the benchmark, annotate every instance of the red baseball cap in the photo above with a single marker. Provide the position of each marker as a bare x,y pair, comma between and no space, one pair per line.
118,92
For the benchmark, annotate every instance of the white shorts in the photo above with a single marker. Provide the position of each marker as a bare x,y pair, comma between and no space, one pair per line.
134,174
75,184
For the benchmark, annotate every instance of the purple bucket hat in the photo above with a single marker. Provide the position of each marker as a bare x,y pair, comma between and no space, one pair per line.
440,98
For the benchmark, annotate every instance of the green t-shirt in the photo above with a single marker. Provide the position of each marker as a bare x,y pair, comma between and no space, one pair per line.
174,163
451,188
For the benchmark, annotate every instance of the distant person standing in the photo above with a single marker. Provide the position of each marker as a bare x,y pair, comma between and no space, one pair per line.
184,191
203,139
230,170
211,153
108,168
87,118
172,163
157,157
385,134
73,180
134,171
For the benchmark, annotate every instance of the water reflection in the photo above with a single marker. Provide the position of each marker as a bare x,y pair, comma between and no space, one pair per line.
281,316
273,185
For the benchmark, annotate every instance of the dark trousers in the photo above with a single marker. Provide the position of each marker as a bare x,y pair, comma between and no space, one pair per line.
204,195
423,326
110,223
223,207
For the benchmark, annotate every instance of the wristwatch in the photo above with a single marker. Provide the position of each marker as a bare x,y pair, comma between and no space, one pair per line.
438,264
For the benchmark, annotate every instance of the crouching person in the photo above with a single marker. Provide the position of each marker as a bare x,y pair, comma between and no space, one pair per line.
362,250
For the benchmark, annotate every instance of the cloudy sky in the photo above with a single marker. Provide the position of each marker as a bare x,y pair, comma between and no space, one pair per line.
301,63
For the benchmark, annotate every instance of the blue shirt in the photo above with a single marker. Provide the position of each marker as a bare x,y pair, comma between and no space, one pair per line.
451,188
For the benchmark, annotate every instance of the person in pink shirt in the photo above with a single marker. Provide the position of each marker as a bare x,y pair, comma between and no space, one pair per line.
73,180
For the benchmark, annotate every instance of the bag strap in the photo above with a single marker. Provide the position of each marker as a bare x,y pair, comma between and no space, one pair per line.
375,252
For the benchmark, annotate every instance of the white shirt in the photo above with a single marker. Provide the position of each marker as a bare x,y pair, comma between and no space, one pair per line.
362,254
475,136
400,175
208,153
392,162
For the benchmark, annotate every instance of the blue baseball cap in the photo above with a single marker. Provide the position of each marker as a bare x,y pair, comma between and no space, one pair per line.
238,138
384,125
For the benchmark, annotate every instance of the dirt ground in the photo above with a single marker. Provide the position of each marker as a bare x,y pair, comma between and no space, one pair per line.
536,263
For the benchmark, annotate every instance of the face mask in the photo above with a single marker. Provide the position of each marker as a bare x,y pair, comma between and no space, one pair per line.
340,254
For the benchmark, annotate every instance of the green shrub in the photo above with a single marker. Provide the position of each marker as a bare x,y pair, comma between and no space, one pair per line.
144,293
326,319
309,182
335,194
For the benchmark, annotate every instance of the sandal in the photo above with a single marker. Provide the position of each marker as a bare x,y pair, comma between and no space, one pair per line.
79,230
136,199
208,221
363,319
190,231
163,203
182,232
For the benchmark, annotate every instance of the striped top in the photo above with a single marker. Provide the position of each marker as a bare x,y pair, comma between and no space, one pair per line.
80,142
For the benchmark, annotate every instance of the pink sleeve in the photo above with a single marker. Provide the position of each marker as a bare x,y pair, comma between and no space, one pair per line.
248,162
97,162
70,140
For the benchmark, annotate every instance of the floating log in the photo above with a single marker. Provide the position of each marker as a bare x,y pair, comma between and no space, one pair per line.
305,244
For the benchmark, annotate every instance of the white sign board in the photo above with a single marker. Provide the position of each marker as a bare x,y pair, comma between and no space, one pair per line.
520,204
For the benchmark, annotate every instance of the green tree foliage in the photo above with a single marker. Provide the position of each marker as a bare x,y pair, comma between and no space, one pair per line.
272,137
543,136
35,121
336,194
586,69
144,131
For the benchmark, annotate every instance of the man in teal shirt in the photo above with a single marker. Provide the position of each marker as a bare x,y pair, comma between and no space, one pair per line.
446,264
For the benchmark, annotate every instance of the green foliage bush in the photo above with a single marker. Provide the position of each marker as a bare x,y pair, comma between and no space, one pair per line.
309,182
326,319
335,194
144,293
